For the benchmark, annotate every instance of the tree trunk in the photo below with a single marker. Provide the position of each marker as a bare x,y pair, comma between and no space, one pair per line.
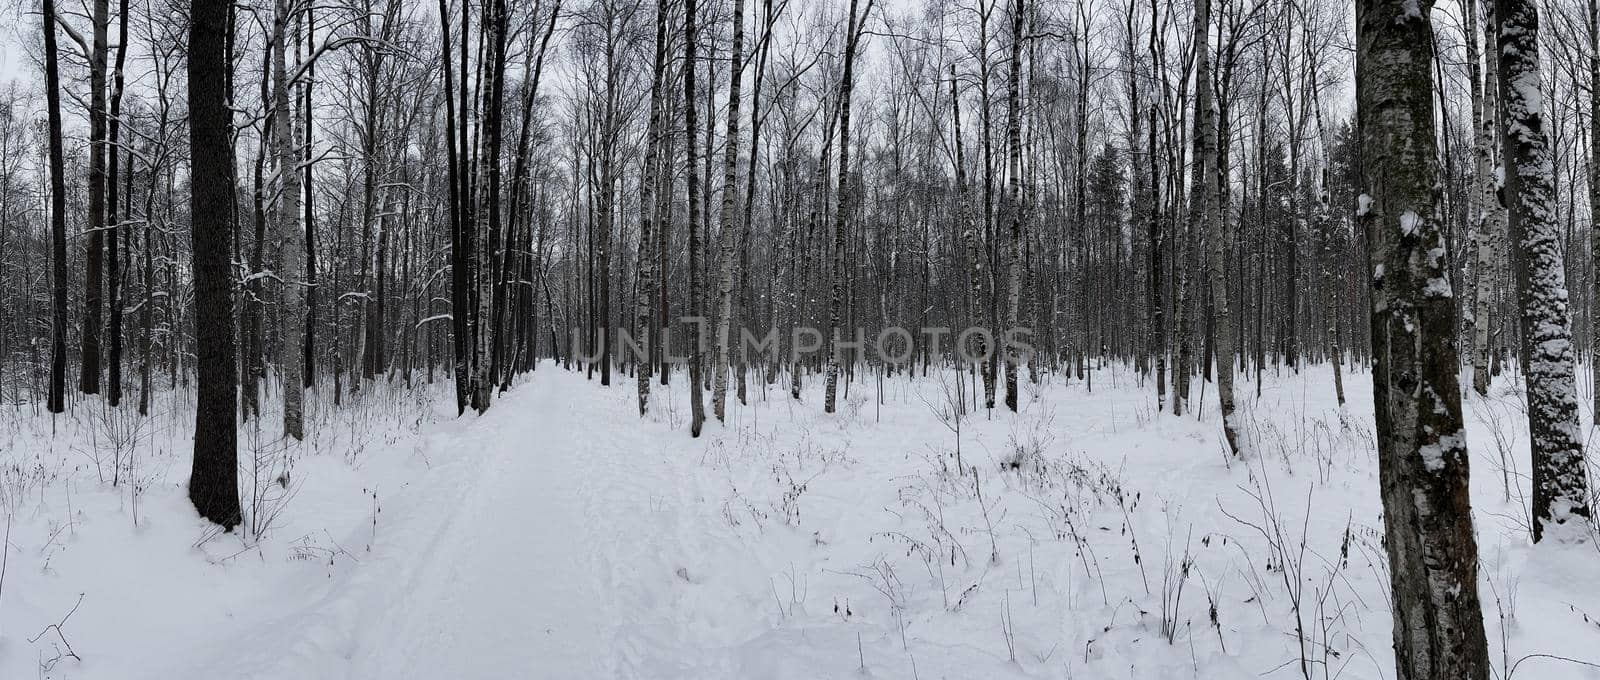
696,402
213,480
1207,186
114,260
459,298
58,217
842,211
730,227
94,304
1594,199
1560,481
289,240
310,350
1422,452
650,179
1489,231
1014,201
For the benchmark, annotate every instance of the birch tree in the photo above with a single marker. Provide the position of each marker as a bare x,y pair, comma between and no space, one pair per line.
1206,188
1560,482
288,239
1422,449
696,402
853,27
1486,211
730,230
1014,196
649,184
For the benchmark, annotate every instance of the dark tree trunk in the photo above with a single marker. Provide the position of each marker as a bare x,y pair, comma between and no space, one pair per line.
114,260
58,217
213,482
459,298
310,352
94,275
696,403
837,271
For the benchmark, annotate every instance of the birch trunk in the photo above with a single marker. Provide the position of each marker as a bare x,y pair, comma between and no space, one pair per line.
696,402
1560,482
730,228
288,239
1204,211
1014,199
1488,214
974,249
649,178
842,211
1422,451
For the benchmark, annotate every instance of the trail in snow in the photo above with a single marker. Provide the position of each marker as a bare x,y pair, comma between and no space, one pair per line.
509,585
558,562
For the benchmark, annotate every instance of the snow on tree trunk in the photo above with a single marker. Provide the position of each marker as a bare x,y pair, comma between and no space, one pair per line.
1560,483
486,191
1422,450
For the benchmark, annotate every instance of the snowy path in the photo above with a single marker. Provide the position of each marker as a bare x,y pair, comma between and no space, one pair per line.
507,584
555,563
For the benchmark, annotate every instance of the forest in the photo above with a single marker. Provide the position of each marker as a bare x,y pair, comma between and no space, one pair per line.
719,338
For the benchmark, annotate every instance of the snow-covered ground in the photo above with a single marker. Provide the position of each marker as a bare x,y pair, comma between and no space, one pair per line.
559,536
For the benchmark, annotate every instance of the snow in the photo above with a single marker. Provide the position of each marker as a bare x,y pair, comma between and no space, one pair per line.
1528,89
1433,455
1409,221
560,536
1409,9
1437,286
